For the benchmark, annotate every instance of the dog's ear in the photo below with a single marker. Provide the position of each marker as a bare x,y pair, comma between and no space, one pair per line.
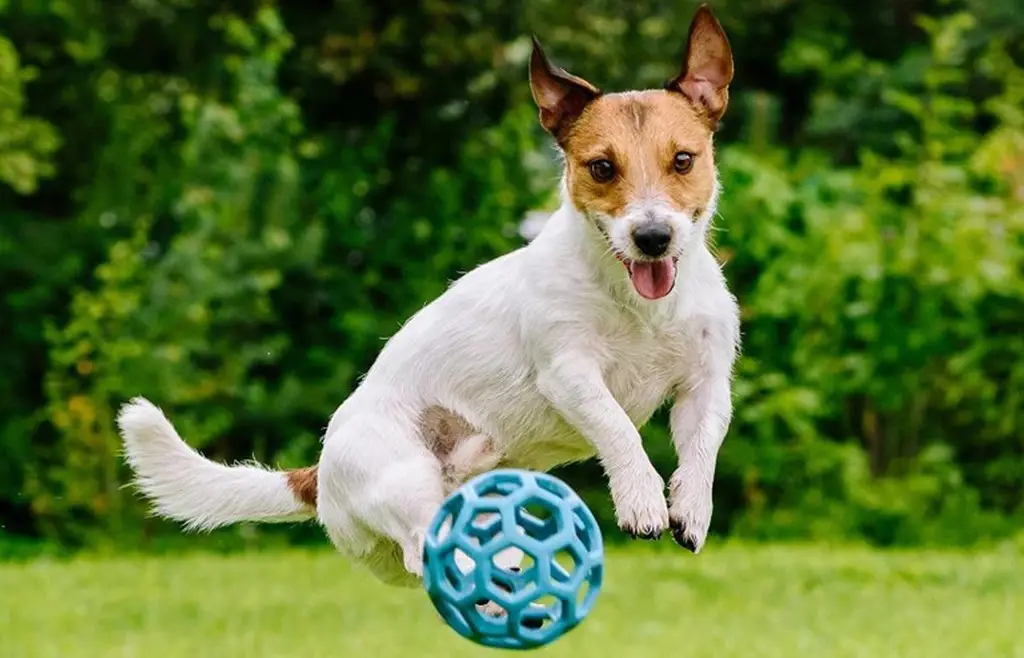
560,95
707,69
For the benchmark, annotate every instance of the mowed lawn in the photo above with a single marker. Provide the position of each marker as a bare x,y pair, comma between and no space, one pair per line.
731,601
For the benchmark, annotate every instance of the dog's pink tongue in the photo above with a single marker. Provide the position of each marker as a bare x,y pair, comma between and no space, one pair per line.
653,280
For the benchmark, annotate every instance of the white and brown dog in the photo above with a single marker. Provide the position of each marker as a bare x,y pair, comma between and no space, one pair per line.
554,353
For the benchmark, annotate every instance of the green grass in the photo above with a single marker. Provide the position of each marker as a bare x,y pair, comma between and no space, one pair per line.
732,601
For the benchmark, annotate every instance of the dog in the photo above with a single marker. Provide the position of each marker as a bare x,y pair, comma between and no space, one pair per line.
554,353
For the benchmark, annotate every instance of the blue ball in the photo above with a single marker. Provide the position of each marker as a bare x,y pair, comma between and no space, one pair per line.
482,527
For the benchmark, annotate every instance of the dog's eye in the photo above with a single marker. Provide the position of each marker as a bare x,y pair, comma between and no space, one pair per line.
683,162
602,170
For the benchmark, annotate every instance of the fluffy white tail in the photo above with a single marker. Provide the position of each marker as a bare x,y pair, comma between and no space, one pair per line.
185,486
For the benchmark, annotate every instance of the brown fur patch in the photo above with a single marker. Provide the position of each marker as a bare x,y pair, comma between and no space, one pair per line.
302,482
442,430
461,449
640,133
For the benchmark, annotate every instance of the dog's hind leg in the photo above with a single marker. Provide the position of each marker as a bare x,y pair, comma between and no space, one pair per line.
379,480
386,561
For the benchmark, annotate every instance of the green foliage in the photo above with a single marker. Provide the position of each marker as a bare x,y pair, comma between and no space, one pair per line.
244,202
26,143
879,313
153,314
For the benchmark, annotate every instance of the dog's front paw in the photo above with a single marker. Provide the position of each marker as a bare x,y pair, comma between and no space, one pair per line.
640,505
689,510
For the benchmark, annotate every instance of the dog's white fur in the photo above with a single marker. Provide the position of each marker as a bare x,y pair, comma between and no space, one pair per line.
543,356
185,486
547,352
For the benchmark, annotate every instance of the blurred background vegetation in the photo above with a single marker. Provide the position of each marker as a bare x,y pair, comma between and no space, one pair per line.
226,207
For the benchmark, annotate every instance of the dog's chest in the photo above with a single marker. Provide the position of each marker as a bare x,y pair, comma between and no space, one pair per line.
642,368
639,369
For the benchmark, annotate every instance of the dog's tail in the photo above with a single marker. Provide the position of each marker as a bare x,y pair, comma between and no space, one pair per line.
185,486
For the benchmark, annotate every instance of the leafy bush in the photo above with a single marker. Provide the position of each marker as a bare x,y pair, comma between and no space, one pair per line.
244,202
878,307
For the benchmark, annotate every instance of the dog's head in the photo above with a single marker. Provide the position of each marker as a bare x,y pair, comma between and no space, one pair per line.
640,164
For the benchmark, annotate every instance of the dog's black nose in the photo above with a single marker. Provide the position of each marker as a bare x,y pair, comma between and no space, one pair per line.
652,239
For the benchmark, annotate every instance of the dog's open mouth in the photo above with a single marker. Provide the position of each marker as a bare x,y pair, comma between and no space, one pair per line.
652,279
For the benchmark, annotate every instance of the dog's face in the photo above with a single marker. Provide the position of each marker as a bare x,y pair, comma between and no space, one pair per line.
640,165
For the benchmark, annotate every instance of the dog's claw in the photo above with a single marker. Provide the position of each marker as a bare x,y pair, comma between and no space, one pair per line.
684,535
689,511
683,539
649,534
640,505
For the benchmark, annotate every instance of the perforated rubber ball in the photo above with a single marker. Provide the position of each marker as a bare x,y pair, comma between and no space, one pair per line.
513,559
